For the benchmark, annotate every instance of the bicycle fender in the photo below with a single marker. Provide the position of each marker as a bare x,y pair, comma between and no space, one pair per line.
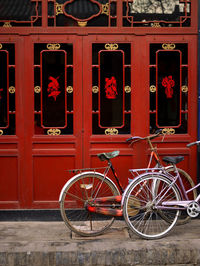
139,177
81,174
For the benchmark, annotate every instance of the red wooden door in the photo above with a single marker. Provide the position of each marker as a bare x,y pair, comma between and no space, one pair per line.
53,111
111,70
77,96
10,145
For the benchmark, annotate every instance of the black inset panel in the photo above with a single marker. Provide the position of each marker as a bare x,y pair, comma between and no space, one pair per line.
168,84
82,9
4,116
53,89
111,88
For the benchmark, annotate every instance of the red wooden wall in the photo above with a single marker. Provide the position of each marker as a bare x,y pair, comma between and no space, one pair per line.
33,163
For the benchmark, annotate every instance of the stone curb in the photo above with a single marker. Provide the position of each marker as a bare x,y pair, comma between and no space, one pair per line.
101,253
50,244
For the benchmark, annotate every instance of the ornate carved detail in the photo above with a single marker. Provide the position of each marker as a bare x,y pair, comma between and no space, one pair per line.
11,89
168,46
82,23
37,89
7,24
152,88
1,132
155,25
111,131
69,89
127,89
53,46
59,9
111,46
105,9
54,132
95,89
184,88
168,131
76,16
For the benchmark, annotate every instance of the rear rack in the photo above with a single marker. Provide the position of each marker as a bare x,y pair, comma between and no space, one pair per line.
75,171
137,172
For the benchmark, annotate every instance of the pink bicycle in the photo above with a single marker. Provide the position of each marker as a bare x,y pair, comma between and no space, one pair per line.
152,203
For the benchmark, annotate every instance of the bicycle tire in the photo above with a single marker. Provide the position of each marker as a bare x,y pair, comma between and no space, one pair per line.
145,219
77,195
188,184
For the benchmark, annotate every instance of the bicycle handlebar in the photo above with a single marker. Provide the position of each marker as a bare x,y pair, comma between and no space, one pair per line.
138,138
193,143
159,132
135,138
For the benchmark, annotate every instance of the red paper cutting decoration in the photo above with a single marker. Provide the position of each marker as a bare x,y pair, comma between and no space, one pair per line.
53,87
111,88
168,83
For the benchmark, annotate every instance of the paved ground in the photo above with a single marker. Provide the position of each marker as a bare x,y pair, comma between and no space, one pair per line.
51,244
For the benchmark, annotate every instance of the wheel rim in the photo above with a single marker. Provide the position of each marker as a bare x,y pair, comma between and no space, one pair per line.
78,196
148,223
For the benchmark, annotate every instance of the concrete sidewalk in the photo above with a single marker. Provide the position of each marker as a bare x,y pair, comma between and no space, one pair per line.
52,244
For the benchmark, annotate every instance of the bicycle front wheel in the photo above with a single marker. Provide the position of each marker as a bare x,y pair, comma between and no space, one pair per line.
79,196
142,207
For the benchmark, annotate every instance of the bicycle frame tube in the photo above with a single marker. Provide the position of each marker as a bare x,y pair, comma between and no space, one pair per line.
105,174
150,160
193,188
116,177
155,156
181,186
198,198
183,204
178,177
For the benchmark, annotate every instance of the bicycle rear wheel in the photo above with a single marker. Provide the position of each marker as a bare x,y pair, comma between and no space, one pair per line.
142,207
79,194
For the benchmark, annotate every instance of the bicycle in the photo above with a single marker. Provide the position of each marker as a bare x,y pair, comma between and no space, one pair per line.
185,181
154,196
90,200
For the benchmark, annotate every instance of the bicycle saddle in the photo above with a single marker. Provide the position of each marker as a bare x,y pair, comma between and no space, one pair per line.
107,155
173,160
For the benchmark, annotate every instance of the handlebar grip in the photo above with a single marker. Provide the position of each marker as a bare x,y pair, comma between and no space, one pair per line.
193,143
129,139
134,139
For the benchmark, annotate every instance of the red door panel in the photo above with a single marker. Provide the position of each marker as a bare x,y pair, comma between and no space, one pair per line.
56,128
173,101
112,74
